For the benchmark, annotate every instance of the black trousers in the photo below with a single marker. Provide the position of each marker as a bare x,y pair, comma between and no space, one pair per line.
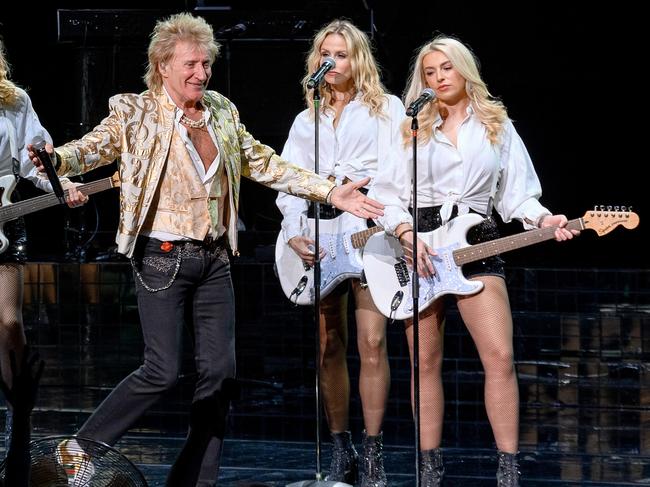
188,284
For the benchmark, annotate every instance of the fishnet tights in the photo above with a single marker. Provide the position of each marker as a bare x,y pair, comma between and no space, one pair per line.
488,319
374,375
12,334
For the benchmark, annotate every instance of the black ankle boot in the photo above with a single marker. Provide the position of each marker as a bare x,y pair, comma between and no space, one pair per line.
372,470
344,466
508,472
431,468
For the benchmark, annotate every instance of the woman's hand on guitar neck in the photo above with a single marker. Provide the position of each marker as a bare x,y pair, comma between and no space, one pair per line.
560,221
75,198
425,266
304,248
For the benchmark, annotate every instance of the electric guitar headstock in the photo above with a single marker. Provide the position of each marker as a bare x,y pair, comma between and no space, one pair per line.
603,219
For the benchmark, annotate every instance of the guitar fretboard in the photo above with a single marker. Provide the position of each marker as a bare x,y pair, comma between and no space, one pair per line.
15,210
359,239
505,244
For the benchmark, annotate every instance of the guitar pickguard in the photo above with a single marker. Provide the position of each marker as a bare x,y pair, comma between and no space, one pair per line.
448,279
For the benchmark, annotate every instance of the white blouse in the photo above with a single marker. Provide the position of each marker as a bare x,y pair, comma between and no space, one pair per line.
355,149
19,126
465,175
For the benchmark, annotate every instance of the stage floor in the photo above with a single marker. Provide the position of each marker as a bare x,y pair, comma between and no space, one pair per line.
257,463
582,351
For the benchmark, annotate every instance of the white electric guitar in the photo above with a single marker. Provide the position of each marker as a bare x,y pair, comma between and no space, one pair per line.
11,211
389,278
342,238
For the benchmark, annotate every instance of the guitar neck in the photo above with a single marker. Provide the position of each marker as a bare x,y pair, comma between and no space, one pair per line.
16,210
506,244
359,239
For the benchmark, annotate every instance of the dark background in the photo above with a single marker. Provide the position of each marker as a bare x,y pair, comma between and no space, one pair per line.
570,75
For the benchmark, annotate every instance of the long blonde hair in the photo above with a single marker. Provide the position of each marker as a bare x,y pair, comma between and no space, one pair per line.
167,33
365,73
8,90
490,111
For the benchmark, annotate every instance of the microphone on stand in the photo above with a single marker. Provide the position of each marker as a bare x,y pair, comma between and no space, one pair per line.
316,78
231,31
425,97
39,147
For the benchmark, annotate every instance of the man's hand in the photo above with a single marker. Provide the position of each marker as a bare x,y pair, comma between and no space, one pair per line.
347,197
34,157
74,198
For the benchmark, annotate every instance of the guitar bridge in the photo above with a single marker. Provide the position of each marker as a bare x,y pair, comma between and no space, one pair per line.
402,272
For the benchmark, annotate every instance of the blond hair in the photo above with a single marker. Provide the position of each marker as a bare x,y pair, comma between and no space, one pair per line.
489,110
167,33
365,73
8,90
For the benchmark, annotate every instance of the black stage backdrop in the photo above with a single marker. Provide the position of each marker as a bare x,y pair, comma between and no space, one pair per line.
570,75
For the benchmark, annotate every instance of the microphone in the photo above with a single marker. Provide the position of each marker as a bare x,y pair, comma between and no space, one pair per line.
316,78
414,108
39,147
233,31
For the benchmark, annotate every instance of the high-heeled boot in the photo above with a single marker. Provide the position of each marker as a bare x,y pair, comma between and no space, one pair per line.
508,471
345,460
432,470
372,462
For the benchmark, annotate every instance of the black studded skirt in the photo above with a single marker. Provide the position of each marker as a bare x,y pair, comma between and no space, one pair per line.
429,219
14,231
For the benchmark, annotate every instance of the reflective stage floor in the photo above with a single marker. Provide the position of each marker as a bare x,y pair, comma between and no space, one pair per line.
582,349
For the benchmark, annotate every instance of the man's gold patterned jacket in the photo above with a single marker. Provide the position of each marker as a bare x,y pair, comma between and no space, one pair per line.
138,131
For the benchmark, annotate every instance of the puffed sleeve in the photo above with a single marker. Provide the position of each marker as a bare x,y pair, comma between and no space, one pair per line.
294,210
519,188
391,136
392,187
28,130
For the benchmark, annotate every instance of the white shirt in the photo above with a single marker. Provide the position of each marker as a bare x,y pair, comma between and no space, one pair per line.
355,149
465,175
19,126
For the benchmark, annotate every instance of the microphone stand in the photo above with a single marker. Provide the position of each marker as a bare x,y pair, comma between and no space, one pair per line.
317,285
416,296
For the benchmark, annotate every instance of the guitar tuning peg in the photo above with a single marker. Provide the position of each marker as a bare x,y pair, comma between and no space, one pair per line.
623,208
609,207
617,209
